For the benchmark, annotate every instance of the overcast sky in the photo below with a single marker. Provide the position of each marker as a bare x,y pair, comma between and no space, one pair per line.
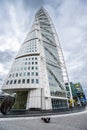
70,20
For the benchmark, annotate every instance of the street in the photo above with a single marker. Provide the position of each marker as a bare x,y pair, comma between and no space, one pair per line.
74,121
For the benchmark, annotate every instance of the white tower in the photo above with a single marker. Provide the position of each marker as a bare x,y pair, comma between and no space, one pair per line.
37,72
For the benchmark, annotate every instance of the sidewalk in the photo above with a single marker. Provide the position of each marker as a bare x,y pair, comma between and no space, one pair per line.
34,113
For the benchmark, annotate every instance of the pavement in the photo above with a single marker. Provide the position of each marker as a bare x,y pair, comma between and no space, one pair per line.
32,113
72,121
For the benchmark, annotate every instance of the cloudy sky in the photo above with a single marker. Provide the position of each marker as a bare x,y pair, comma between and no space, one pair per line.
70,20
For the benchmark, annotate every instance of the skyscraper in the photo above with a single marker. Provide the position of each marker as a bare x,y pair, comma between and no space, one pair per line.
38,72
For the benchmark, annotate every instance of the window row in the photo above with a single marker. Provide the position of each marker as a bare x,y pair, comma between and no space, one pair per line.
59,94
30,58
29,47
33,58
58,103
28,63
25,68
23,81
24,74
32,63
27,51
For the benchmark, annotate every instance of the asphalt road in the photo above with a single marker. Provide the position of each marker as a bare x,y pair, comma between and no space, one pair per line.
74,121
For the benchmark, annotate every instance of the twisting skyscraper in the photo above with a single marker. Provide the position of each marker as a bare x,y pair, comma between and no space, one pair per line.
37,74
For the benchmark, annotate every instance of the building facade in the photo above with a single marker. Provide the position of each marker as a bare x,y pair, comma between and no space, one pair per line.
77,93
80,93
37,71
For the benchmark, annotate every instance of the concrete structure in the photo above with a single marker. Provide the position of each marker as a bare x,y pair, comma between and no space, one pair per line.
39,72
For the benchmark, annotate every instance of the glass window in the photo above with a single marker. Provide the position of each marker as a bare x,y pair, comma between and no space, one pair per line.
19,81
32,58
32,80
24,68
20,74
15,81
36,73
32,67
28,68
10,75
29,63
16,74
24,73
35,62
35,58
25,63
11,81
36,68
23,81
7,82
13,75
37,81
32,63
32,73
28,73
28,80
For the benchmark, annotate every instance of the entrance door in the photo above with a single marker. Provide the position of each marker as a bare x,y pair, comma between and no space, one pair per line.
21,99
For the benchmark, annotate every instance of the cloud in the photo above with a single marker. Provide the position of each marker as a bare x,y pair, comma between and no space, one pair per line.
32,4
6,59
6,56
56,5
